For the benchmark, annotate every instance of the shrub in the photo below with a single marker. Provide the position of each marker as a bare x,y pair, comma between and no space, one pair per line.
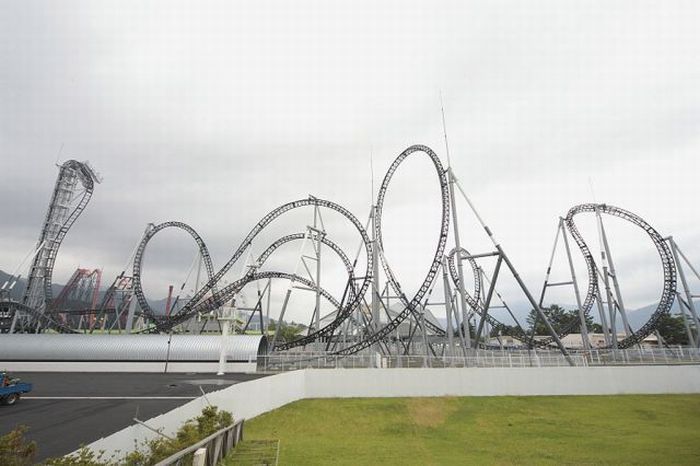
15,450
208,422
194,430
84,457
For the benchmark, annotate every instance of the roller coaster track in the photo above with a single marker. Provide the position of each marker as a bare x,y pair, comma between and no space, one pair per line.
668,292
237,286
472,301
412,306
141,250
667,295
64,211
204,251
198,303
45,260
349,267
42,320
60,217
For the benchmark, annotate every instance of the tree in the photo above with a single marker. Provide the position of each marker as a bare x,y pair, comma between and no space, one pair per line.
594,327
288,332
672,329
559,317
590,325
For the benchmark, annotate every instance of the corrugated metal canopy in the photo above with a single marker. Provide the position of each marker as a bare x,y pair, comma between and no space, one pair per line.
239,348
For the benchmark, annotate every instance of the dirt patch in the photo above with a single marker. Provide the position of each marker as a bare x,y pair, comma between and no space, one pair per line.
429,412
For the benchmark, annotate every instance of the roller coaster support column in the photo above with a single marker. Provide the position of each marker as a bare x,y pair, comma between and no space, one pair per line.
318,234
546,285
561,230
487,301
606,282
607,257
129,327
688,303
31,257
688,331
544,318
611,308
519,280
448,309
278,327
376,304
460,270
577,292
603,319
426,343
266,322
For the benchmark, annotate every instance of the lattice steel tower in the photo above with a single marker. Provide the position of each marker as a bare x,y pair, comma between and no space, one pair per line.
73,190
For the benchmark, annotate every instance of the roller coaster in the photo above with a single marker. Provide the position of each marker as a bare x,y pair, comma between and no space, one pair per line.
66,205
355,326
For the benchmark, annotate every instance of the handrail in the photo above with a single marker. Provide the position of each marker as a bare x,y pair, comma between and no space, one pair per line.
221,448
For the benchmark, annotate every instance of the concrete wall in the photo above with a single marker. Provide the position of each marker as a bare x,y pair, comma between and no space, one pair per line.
250,399
502,381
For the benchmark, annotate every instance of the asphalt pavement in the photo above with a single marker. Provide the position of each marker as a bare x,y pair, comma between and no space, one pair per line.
66,410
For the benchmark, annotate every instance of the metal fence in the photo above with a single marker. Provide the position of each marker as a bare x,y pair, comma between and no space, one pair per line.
280,362
643,356
217,446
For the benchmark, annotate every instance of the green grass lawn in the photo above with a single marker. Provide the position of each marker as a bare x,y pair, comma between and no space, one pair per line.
656,430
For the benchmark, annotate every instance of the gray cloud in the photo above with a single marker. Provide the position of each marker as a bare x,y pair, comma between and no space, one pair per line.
214,114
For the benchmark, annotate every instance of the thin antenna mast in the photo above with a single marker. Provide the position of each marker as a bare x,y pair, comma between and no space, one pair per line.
58,156
371,171
464,328
444,132
590,185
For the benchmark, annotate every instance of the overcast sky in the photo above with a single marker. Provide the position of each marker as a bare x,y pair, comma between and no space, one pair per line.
214,113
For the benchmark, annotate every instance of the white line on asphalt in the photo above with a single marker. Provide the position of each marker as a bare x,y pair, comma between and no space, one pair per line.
109,397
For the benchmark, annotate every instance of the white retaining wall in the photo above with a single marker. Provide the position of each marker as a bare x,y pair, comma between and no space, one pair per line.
250,399
363,383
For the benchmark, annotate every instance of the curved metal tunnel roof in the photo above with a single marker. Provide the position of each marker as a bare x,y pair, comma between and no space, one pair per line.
50,347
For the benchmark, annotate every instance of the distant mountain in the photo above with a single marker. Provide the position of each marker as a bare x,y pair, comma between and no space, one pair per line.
17,292
635,317
640,316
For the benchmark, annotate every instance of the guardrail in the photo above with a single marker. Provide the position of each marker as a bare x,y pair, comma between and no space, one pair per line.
216,446
644,356
281,362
